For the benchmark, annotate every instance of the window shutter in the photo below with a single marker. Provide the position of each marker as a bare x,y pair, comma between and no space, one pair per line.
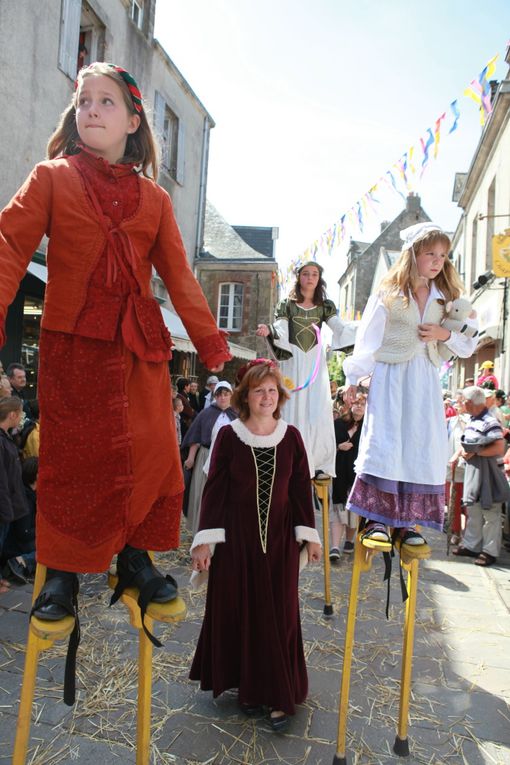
181,154
159,122
69,36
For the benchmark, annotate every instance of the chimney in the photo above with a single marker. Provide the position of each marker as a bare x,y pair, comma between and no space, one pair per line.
413,202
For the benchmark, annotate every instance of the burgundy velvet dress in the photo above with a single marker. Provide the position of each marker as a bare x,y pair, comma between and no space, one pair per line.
258,498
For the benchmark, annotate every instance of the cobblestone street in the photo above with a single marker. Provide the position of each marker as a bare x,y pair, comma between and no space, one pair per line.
459,709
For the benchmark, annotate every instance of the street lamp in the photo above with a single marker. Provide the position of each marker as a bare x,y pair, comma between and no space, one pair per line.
483,280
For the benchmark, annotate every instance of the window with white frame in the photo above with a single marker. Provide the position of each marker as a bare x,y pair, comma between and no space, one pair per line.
170,132
137,12
230,306
91,44
82,37
70,19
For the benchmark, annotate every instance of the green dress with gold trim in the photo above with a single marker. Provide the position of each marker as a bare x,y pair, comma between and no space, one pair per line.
294,344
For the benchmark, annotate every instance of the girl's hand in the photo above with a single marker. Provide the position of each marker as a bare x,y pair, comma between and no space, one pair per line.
201,558
345,446
314,552
219,368
429,332
350,395
262,330
188,463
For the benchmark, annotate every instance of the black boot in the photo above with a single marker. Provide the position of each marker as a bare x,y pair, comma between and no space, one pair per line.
57,597
135,566
135,569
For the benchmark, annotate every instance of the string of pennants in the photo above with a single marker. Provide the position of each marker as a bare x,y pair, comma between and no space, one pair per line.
402,177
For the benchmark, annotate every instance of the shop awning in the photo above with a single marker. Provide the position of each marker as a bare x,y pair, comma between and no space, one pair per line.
178,332
172,321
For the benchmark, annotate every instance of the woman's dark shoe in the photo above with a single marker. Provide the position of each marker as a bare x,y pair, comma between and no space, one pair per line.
58,596
252,710
465,552
484,559
279,721
16,570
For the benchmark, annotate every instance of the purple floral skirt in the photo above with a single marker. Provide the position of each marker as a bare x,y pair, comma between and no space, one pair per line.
397,503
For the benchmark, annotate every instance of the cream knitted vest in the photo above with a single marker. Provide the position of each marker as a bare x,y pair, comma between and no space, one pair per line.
401,341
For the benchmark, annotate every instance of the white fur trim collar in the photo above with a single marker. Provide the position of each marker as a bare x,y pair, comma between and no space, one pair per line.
261,442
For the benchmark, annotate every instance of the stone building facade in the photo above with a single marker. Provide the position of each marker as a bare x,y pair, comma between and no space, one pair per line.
239,281
363,259
483,194
42,44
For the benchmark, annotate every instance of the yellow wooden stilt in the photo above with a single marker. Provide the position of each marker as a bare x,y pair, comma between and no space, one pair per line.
401,745
41,635
173,611
322,488
363,562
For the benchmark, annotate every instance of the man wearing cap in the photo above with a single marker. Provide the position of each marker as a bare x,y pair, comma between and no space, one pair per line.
485,485
205,395
487,374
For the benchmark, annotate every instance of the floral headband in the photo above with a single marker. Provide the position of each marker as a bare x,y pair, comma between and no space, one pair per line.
256,362
130,81
298,269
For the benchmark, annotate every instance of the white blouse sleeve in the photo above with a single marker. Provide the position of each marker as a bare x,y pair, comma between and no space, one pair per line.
344,333
460,344
368,340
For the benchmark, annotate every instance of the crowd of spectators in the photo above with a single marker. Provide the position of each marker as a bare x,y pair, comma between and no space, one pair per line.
19,450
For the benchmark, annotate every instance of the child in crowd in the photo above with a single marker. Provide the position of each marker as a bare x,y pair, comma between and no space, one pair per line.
12,494
110,476
347,433
178,408
19,549
403,450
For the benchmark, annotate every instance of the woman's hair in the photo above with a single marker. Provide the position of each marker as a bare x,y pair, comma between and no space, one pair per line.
254,376
319,296
9,404
347,417
141,146
403,275
182,383
29,470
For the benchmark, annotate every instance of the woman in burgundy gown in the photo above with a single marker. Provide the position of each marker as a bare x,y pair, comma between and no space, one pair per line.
256,513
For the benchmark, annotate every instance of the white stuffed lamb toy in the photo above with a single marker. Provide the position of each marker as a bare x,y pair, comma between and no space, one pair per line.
457,312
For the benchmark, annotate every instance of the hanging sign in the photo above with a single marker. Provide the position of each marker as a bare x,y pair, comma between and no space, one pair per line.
501,254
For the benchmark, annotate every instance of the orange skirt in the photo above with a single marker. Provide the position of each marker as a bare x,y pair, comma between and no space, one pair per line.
110,471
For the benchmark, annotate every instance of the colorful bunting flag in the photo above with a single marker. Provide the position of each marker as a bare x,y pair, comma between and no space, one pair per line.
479,90
456,115
437,133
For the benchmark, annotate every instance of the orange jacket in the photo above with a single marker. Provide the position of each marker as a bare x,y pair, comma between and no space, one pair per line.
53,201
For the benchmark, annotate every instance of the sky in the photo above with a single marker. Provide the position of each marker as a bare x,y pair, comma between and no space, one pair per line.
314,100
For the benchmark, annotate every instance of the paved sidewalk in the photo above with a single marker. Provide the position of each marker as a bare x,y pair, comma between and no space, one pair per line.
460,695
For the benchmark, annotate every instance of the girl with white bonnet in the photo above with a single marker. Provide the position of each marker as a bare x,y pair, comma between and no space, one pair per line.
400,470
